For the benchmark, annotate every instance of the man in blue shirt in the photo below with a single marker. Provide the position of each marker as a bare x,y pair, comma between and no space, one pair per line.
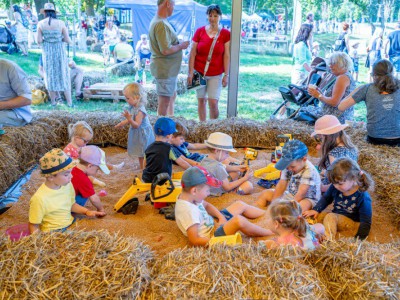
393,51
15,95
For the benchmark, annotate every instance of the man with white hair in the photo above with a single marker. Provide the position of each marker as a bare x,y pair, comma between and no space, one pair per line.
166,56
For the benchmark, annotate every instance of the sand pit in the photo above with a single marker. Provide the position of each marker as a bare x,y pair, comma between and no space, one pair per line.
147,224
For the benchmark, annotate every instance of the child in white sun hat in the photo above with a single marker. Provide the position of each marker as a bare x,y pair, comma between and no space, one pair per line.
220,145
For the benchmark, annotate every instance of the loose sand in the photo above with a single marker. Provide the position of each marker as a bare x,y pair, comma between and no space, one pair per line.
147,224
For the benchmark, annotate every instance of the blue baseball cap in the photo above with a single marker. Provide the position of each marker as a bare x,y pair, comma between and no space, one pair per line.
292,150
164,126
198,175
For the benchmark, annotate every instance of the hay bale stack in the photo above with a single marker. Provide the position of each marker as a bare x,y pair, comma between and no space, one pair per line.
182,84
358,270
74,265
93,77
9,167
242,272
96,47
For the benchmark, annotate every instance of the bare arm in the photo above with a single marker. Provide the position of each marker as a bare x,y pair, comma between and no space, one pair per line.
194,238
228,186
76,208
138,119
95,200
192,57
214,212
16,102
196,146
302,192
280,189
39,35
175,48
182,163
122,124
65,34
227,56
339,89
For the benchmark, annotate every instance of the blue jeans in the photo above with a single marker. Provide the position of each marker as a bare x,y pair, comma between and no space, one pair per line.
8,117
220,230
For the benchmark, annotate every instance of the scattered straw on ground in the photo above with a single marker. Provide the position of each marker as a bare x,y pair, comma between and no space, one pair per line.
73,265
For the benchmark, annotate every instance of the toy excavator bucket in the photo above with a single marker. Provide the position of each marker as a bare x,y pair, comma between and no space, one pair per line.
234,239
250,153
268,173
162,189
283,137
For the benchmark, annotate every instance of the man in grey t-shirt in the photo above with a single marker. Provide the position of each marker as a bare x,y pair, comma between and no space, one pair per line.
166,56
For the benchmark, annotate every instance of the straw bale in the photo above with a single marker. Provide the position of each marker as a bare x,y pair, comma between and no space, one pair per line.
124,70
74,265
241,272
352,269
96,47
93,77
9,167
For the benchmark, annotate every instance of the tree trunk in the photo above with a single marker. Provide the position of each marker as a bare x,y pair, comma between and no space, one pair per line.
39,4
90,11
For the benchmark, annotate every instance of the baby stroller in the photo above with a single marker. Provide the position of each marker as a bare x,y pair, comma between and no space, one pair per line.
7,40
319,76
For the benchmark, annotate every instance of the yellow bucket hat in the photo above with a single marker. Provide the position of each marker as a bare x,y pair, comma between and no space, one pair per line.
55,161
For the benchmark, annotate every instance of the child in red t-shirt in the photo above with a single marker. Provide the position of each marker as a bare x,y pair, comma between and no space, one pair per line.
91,159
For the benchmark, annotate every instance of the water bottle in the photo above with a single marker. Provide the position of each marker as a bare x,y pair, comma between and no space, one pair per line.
136,77
144,77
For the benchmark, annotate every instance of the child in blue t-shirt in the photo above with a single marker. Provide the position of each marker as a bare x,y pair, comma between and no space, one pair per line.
351,201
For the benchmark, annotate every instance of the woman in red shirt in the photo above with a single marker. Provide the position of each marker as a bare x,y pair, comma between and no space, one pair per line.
217,73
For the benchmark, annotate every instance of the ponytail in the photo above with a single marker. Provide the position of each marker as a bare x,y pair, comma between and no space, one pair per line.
289,215
364,181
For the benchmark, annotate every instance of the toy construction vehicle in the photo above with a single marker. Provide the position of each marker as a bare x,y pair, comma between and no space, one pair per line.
270,173
162,189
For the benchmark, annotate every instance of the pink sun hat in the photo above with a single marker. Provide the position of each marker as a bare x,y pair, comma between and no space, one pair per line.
327,125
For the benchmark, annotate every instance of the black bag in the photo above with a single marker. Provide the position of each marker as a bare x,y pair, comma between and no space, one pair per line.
367,62
340,44
197,81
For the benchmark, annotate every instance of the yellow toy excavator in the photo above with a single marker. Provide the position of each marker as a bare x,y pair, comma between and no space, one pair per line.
162,189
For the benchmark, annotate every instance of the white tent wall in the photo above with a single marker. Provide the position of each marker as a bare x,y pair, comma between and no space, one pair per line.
144,10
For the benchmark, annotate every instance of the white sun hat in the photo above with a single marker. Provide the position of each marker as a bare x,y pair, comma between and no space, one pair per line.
220,141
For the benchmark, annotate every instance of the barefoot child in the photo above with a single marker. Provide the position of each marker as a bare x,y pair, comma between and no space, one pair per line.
352,206
140,134
299,181
51,205
195,216
290,228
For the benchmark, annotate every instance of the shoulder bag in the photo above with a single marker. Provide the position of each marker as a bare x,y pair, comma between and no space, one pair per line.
198,79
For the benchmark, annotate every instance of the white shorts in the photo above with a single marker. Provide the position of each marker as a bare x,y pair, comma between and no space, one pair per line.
212,90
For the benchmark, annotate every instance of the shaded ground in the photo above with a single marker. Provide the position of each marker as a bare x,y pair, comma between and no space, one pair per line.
147,224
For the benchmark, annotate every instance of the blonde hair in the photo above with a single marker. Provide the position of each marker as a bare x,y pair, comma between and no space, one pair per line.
135,89
289,215
343,169
342,60
78,129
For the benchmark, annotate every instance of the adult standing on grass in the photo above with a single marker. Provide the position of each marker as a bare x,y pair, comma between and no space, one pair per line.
382,98
215,67
342,42
302,55
166,56
392,49
52,33
15,95
21,24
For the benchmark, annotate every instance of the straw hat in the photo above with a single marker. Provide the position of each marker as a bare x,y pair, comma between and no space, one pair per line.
220,141
48,6
327,125
55,161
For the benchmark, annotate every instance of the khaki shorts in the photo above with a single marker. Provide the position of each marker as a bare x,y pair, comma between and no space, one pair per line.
166,87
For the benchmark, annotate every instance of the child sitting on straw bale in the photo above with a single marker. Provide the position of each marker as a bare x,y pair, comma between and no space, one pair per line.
289,226
352,206
195,216
91,159
299,180
220,144
140,134
159,155
51,206
80,135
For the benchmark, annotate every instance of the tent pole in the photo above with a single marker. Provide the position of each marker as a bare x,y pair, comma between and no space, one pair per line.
236,21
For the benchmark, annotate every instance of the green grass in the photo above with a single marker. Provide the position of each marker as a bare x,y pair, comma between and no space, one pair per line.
260,76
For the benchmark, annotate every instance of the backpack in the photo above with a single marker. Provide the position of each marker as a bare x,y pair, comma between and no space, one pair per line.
340,43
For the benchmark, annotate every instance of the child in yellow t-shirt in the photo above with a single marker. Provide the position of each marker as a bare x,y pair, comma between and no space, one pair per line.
51,206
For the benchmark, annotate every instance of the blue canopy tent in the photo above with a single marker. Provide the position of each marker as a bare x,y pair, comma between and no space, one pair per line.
187,17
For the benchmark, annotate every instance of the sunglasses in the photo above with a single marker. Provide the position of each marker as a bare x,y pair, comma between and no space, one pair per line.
83,140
